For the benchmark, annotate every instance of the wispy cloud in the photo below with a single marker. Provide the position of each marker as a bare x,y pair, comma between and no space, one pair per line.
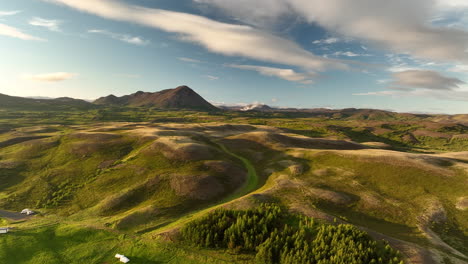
424,79
217,37
50,24
399,26
285,74
326,41
9,31
51,77
423,83
459,68
457,95
382,81
9,13
185,59
122,37
350,54
211,77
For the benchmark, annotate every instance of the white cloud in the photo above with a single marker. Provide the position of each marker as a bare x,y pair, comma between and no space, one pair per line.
9,13
51,77
424,79
458,95
50,24
185,59
211,77
349,54
399,25
459,68
326,41
452,3
122,37
285,74
8,31
261,13
424,83
382,81
401,68
218,37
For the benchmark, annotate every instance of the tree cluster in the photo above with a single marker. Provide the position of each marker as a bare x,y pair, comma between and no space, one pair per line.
277,237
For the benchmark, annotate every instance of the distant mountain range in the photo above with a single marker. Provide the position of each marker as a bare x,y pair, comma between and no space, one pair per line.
185,98
56,104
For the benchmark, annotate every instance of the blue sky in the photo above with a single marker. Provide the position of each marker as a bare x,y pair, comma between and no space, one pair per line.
290,53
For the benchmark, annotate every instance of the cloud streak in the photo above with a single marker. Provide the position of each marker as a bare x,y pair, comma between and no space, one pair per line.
12,32
285,74
217,37
185,59
9,13
423,83
459,95
51,77
326,41
399,25
211,77
50,24
424,79
122,37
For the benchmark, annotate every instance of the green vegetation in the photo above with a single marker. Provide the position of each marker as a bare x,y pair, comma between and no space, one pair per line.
121,179
59,244
377,187
401,131
278,237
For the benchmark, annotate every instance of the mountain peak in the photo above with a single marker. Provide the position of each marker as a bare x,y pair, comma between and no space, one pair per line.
183,87
182,97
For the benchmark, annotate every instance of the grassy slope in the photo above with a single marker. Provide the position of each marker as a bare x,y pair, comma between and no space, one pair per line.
393,129
74,244
49,165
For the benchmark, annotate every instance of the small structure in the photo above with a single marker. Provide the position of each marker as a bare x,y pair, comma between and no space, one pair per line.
27,212
4,230
122,258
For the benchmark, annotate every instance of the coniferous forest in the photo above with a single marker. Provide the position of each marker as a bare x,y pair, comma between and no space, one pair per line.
276,236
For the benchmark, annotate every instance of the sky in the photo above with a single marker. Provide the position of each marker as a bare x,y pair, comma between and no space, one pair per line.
399,55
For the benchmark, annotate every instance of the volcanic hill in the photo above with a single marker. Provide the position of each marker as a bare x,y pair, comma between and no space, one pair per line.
181,97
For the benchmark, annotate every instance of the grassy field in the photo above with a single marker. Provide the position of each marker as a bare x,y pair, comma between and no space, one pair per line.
74,244
402,132
103,187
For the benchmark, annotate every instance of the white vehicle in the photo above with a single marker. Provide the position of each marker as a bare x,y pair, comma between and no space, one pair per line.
4,230
122,258
27,212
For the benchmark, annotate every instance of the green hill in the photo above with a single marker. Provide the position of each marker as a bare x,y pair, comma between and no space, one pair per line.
131,188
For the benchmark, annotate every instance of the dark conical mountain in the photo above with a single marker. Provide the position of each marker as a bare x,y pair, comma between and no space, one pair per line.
182,97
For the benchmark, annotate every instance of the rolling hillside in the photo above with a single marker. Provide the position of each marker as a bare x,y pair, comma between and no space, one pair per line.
147,180
124,175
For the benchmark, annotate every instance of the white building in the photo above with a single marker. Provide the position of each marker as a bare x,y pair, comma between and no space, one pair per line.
4,230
